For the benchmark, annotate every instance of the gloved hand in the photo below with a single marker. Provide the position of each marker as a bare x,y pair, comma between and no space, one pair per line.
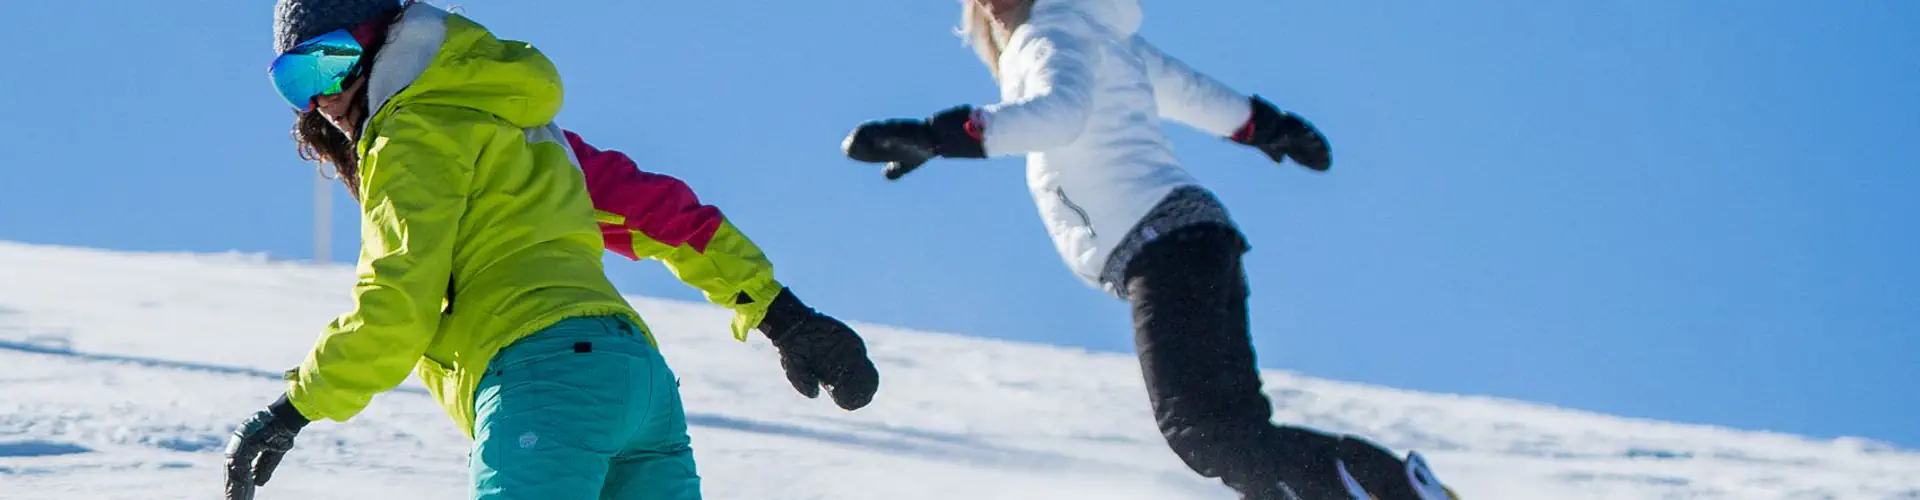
258,445
1281,135
905,144
817,350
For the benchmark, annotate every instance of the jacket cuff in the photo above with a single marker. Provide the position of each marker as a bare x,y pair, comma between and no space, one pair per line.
958,132
284,412
1261,119
753,305
784,315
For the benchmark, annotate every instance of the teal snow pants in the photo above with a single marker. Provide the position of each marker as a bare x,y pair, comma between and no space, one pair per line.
584,409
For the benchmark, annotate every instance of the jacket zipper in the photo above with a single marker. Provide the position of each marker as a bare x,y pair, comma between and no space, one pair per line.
1084,219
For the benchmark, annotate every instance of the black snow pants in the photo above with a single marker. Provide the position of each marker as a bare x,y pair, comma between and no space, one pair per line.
1189,297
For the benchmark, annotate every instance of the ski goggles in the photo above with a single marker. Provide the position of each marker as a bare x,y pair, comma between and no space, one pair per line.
317,67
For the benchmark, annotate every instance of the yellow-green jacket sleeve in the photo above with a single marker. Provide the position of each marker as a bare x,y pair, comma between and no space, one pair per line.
645,215
414,179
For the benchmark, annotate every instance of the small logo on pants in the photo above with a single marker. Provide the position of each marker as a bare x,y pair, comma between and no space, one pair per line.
529,439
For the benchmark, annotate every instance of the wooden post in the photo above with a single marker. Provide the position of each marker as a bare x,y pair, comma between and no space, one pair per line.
322,217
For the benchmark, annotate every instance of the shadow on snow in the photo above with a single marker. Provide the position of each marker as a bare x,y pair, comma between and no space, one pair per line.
931,445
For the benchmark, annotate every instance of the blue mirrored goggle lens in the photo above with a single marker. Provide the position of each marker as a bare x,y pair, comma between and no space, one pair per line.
315,68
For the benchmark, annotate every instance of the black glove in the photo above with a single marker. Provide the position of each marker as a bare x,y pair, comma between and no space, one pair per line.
816,350
1281,135
258,445
905,144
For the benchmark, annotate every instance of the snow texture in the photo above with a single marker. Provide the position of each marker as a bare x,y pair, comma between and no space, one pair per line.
122,373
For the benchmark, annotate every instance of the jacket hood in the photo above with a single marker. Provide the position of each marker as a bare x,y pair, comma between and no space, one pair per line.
435,57
1122,16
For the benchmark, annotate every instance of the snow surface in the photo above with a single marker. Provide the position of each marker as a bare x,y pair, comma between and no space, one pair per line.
121,374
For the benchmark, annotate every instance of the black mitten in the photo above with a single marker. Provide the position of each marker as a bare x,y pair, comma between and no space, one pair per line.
1282,135
817,350
906,144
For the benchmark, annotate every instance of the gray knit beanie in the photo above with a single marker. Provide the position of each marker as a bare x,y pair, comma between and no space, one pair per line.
295,21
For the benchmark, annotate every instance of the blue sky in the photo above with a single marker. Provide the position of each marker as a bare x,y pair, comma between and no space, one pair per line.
1676,210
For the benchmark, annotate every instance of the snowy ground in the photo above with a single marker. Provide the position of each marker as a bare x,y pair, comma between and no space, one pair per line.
120,375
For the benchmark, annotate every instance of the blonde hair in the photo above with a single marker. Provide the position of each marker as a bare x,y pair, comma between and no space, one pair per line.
986,37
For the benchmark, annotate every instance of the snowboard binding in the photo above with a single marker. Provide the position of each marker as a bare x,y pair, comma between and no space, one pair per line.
1420,483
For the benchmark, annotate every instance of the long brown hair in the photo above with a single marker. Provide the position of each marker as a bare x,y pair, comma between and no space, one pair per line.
317,140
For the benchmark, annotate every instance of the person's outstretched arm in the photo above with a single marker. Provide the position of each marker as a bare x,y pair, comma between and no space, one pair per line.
1188,96
1060,73
645,215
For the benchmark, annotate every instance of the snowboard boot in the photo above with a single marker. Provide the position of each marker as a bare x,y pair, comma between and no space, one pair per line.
1317,466
1290,463
1372,473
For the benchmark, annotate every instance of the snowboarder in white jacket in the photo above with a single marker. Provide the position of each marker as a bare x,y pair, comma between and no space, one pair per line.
1082,96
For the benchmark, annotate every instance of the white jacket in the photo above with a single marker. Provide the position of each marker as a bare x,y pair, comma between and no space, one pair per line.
1082,96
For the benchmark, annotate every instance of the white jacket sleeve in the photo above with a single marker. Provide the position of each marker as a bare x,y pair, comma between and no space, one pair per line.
1188,96
1059,76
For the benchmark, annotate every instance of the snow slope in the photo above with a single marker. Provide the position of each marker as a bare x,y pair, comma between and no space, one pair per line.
120,375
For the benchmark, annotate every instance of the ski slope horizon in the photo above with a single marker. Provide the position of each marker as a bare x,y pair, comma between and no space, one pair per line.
121,373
